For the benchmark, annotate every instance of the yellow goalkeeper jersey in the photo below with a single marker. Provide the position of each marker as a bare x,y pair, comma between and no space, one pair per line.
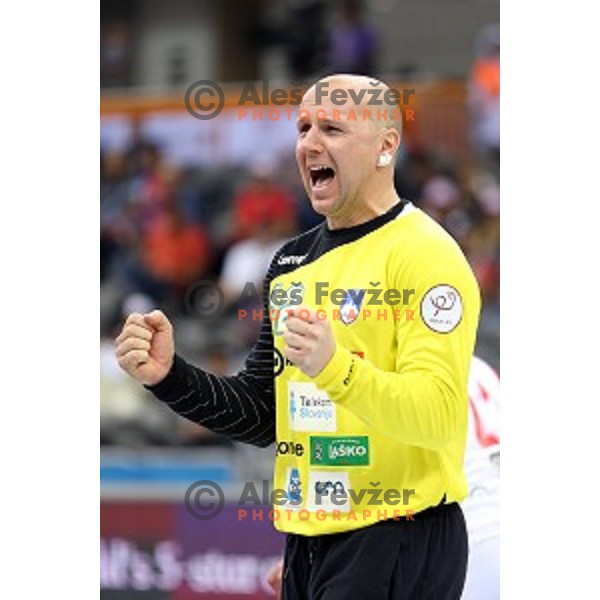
380,433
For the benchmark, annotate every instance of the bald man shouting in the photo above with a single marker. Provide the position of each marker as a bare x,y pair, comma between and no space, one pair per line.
376,312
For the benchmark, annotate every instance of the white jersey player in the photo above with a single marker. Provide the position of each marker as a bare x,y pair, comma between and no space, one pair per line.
482,468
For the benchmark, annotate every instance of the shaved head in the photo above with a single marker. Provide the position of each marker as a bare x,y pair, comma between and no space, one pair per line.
382,107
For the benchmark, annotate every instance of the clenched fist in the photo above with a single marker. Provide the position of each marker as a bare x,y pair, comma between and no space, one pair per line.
309,340
145,347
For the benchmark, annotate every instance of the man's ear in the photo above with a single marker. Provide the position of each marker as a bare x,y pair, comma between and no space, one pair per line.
390,141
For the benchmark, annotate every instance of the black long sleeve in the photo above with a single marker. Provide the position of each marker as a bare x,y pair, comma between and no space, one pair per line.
242,406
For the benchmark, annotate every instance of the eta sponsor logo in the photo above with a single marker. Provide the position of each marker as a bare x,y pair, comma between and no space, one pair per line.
328,490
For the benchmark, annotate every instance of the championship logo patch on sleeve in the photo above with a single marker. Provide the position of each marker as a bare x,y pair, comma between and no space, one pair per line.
442,308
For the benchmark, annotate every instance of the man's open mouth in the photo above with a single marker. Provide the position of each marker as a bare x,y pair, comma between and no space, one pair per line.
321,176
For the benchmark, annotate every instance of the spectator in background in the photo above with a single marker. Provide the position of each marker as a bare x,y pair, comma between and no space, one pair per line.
147,245
136,180
261,200
442,200
483,243
132,201
413,170
176,253
352,44
140,148
115,55
265,215
151,185
440,196
484,87
133,192
249,259
115,188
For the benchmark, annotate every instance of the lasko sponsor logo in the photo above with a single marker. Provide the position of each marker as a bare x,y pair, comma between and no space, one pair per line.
310,408
293,448
339,451
328,490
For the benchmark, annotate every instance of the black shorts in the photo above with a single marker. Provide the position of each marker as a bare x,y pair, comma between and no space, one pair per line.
424,559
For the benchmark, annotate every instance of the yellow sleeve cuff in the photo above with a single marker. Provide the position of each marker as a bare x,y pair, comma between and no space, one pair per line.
336,377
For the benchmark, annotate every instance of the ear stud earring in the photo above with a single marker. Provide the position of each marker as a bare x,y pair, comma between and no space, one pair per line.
384,159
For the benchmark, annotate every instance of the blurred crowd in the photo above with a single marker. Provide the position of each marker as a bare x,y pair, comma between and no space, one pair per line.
165,229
